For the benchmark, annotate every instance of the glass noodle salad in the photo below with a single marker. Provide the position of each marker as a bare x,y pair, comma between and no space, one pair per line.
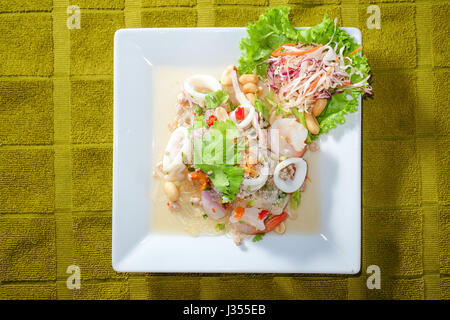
234,160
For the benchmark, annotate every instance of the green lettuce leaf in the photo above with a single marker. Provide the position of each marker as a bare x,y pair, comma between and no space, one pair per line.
215,99
334,114
273,29
265,35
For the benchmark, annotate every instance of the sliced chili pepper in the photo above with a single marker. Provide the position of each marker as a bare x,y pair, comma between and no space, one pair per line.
211,120
240,114
263,214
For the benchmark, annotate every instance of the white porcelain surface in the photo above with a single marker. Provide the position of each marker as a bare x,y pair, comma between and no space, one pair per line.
335,249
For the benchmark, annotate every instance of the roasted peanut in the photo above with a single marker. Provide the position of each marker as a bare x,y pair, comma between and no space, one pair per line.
221,114
319,106
311,123
225,79
246,78
260,90
249,88
250,97
171,191
280,228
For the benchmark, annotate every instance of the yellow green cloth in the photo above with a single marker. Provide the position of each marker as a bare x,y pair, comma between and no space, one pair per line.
56,125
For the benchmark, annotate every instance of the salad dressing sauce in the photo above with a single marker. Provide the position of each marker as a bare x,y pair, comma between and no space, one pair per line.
189,218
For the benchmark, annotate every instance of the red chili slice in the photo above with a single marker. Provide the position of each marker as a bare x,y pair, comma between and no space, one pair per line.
263,214
211,120
240,113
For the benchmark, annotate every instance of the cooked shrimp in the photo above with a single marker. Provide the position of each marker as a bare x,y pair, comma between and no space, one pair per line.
270,224
289,138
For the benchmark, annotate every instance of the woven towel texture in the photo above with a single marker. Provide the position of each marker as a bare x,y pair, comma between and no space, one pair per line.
56,125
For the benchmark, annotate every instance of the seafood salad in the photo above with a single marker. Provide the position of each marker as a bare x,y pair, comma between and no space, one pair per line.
234,162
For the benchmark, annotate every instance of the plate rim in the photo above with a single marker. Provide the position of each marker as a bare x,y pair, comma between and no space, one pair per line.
118,264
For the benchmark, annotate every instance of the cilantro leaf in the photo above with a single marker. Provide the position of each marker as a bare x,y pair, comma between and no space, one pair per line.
226,179
215,99
219,156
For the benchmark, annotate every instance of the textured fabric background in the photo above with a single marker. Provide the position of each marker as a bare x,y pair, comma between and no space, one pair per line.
56,101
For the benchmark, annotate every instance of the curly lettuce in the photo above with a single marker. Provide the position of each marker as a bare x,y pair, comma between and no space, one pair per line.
274,29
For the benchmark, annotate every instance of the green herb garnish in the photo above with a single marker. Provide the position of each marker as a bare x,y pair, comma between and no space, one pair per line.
258,237
295,200
219,153
215,99
219,227
198,110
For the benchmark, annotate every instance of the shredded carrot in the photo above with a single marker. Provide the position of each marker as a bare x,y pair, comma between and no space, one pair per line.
315,82
313,85
331,69
277,52
354,51
347,84
281,47
239,212
213,210
203,187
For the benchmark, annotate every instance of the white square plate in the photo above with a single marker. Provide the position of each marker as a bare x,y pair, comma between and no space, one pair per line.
334,248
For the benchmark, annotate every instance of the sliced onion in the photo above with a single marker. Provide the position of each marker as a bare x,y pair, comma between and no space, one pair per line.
178,146
211,207
195,82
290,185
251,217
249,110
